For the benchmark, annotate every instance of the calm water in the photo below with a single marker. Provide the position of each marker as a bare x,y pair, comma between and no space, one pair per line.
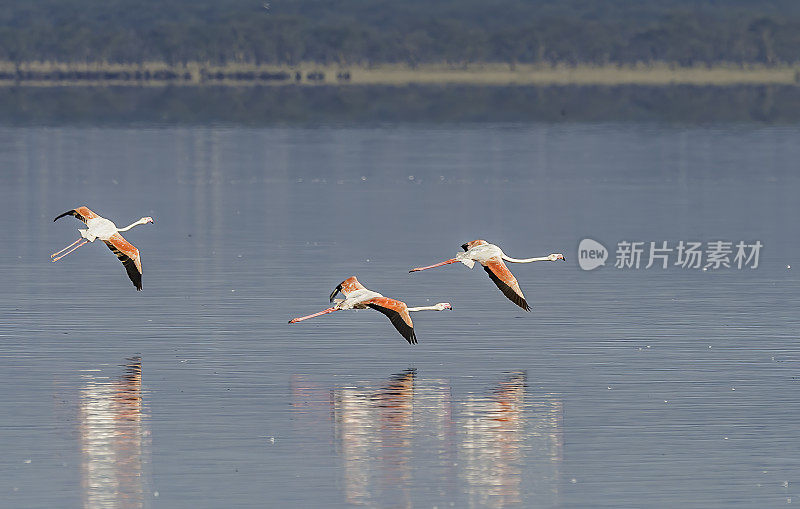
623,388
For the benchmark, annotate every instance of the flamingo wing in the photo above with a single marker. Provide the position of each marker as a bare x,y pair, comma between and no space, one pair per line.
83,213
505,281
397,312
129,256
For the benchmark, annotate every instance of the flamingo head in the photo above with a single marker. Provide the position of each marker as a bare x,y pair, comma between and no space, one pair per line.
470,245
441,306
146,220
556,256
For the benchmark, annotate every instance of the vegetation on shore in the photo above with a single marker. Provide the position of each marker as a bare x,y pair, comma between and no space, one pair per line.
296,61
412,32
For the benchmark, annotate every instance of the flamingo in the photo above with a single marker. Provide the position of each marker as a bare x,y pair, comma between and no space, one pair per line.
359,297
105,230
491,257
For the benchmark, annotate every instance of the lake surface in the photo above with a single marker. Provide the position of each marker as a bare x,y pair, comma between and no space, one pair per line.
624,387
358,105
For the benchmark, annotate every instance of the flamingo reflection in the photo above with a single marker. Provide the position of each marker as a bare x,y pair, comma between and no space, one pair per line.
409,436
498,435
379,421
113,439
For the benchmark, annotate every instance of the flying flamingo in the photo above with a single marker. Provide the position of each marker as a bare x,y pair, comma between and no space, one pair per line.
105,230
491,257
359,297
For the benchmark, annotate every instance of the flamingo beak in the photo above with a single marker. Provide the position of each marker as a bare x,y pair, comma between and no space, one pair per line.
335,291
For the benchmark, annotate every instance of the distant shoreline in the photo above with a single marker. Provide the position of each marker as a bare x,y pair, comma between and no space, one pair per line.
155,74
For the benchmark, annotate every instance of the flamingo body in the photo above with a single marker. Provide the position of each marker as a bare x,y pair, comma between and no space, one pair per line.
105,230
357,296
491,258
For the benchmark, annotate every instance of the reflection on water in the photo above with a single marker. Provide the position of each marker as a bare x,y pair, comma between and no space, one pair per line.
671,430
114,439
388,434
367,421
497,435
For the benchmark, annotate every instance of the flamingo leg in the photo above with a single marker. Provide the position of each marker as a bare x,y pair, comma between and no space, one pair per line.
446,262
323,312
71,250
69,246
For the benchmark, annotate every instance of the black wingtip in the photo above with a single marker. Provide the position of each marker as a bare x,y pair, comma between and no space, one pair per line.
412,338
465,247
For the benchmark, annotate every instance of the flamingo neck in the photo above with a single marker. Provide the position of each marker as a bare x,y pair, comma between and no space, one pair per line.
526,260
435,307
140,221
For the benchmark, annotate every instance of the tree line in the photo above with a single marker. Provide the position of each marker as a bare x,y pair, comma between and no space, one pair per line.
412,32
